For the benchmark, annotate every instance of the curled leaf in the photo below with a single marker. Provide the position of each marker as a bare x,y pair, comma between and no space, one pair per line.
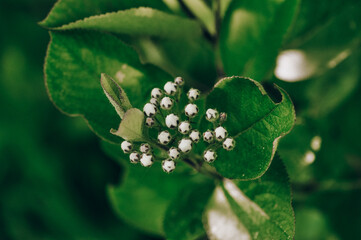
116,95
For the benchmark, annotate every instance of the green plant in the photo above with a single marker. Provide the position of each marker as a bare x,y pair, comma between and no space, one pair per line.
126,49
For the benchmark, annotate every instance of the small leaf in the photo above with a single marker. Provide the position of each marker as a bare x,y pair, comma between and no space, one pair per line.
252,33
258,209
254,121
116,95
67,11
140,22
183,219
131,127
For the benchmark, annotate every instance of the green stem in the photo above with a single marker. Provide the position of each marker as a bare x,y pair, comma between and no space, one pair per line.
207,170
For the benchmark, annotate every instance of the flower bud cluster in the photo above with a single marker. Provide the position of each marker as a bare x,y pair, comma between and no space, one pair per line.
217,136
175,134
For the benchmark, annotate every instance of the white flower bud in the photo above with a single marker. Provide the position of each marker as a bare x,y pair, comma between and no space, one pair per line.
229,144
156,93
149,122
146,160
184,127
172,121
126,146
134,157
168,165
179,81
149,109
209,155
166,103
173,153
193,94
185,145
170,88
145,148
221,133
208,136
212,115
164,137
195,135
154,101
191,110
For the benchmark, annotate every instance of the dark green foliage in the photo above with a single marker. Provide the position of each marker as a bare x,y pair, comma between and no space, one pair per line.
261,62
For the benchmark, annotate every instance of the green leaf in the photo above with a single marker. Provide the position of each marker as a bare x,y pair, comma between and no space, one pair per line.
183,219
140,22
252,33
131,127
258,209
74,63
116,95
254,121
67,11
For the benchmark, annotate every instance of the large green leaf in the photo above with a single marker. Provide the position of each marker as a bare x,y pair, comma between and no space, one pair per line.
258,209
183,219
251,35
139,22
144,194
73,67
255,122
67,11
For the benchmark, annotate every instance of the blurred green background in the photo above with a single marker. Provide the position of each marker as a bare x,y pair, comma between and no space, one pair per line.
53,174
